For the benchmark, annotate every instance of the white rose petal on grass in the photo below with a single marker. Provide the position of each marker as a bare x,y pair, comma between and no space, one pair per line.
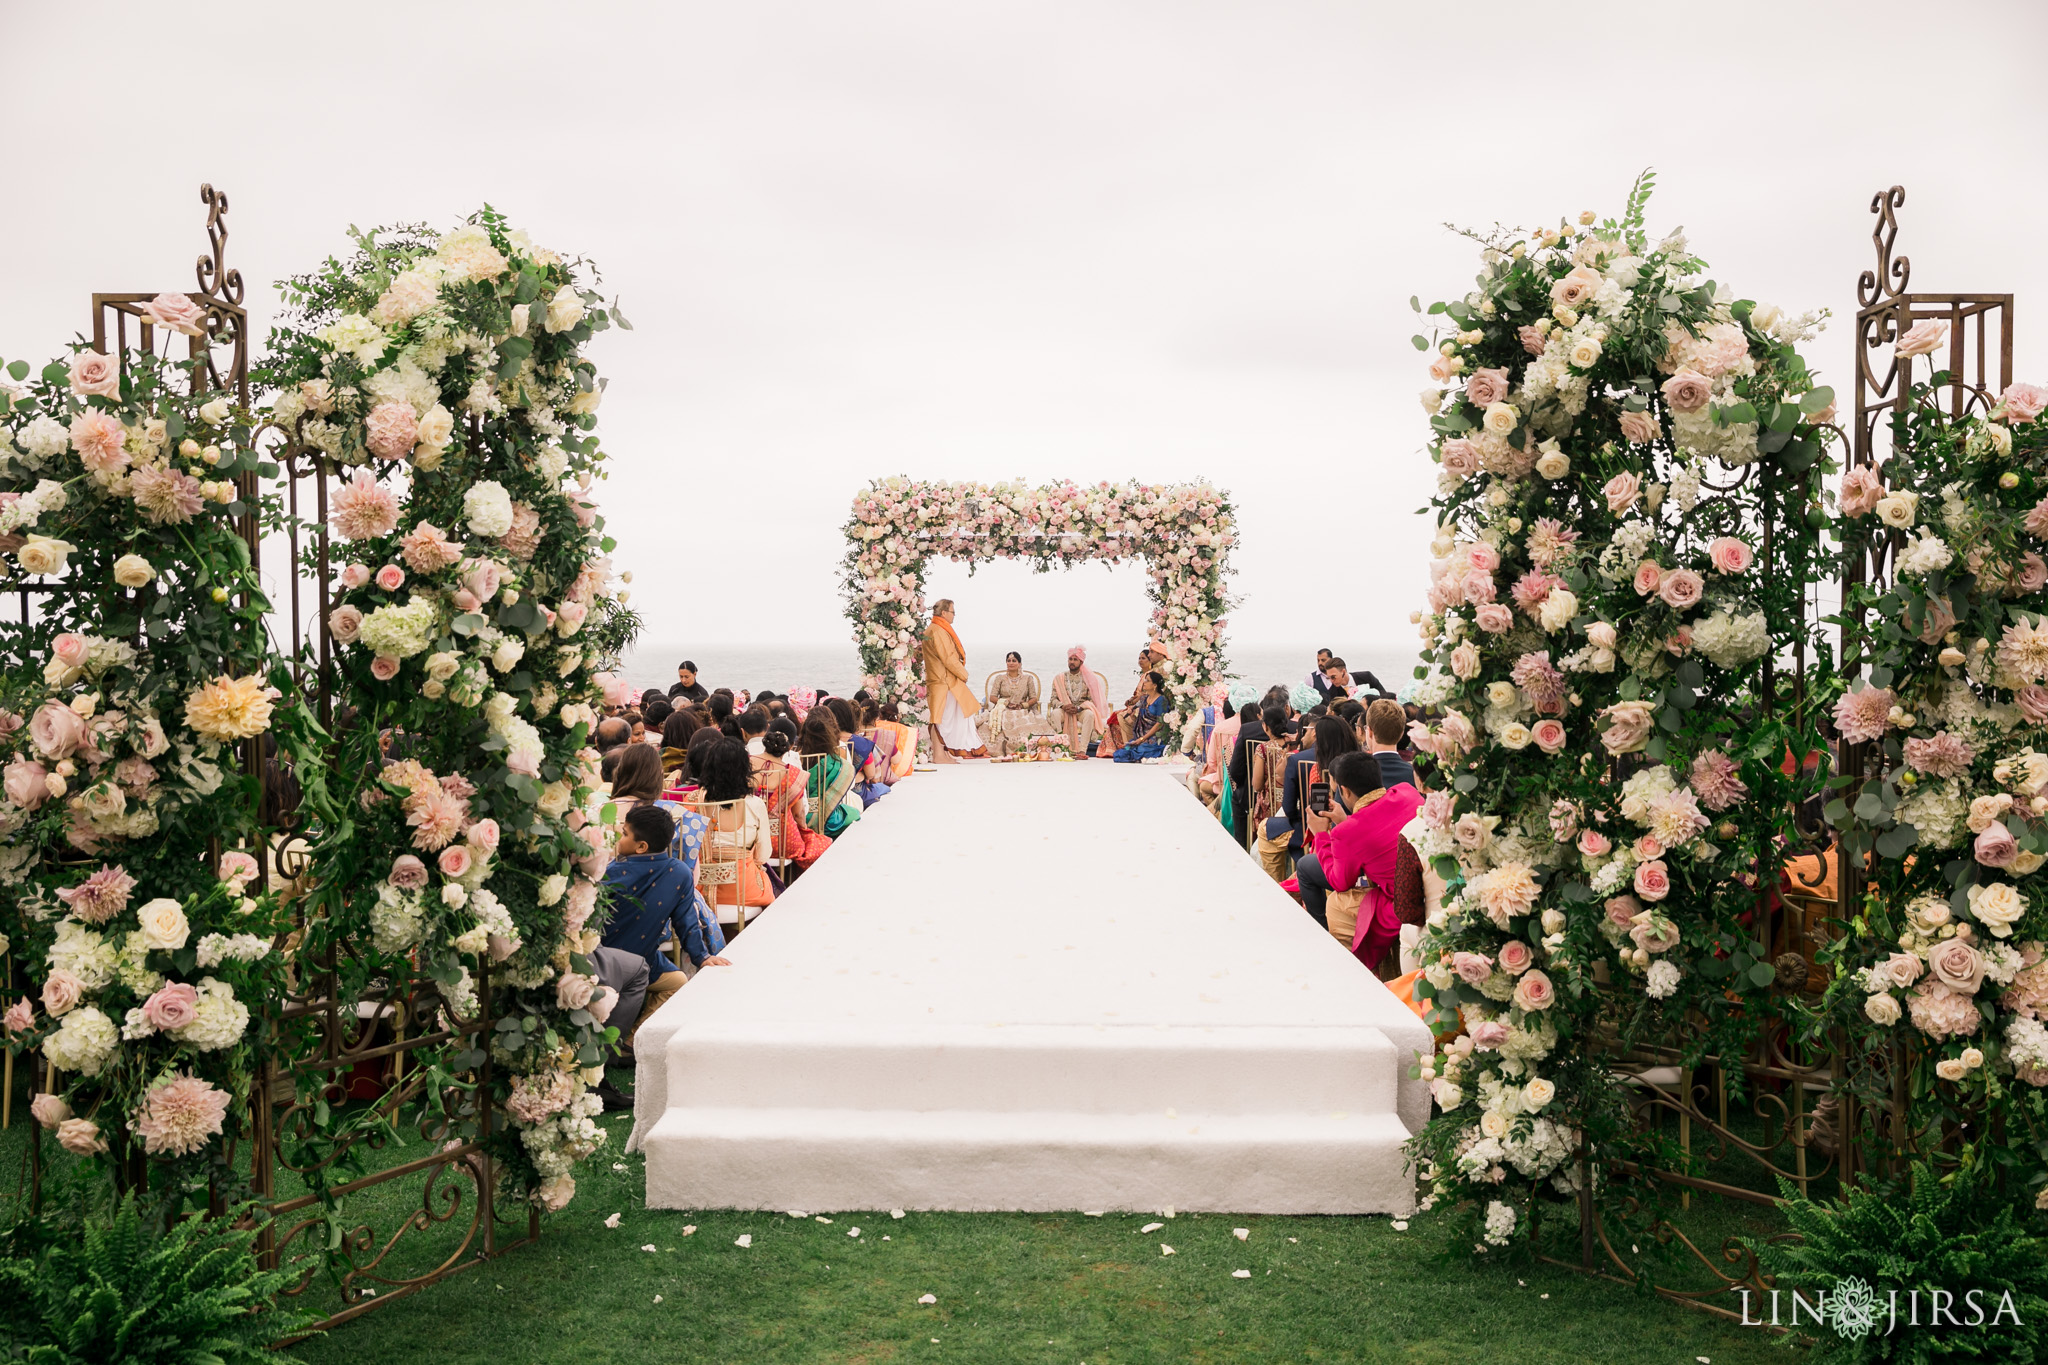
650,1247
1091,1213
1165,1250
745,1239
928,1298
657,1298
853,1232
689,1228
1151,1227
1240,1274
1400,1225
798,1213
823,1219
1241,1234
612,1221
895,1213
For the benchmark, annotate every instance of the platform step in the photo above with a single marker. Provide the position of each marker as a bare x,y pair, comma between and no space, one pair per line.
1040,1161
1089,1069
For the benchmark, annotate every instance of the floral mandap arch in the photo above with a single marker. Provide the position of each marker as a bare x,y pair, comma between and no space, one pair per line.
1184,532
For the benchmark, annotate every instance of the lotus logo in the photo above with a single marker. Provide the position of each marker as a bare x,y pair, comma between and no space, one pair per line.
1855,1311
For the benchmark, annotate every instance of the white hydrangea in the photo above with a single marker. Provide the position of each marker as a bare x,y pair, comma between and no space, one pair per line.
1500,1222
1925,555
221,1020
354,334
86,955
1662,981
43,439
83,1042
2026,1042
488,508
1731,641
1644,790
1939,812
215,949
397,920
401,631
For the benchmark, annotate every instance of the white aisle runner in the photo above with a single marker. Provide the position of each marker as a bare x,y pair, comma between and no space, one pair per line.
1033,986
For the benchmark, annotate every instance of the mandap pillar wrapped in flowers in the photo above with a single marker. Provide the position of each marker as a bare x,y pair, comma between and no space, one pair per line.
1940,986
1183,532
137,693
1631,458
436,385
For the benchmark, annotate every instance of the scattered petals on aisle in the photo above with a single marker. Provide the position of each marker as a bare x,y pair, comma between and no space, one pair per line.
1151,1227
1240,1274
1165,1250
928,1298
745,1239
1241,1234
612,1221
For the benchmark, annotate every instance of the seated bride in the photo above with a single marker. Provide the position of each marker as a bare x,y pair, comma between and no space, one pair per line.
1010,714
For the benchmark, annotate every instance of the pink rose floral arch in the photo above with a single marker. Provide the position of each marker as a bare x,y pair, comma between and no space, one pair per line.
1183,532
1630,490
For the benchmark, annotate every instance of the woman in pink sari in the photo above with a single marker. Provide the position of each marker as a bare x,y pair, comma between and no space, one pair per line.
1366,851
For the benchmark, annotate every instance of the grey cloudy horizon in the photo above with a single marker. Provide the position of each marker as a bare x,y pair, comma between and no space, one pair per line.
1110,240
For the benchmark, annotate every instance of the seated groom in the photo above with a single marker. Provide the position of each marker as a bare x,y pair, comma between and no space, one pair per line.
1077,702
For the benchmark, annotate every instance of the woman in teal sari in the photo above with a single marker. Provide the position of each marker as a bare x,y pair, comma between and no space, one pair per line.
1148,739
828,774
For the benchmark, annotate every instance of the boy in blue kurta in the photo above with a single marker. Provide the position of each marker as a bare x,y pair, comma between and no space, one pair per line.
651,891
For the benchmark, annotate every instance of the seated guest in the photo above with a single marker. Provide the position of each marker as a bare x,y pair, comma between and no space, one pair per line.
720,706
686,687
753,725
830,777
647,699
1329,739
788,728
651,892
1209,777
637,779
1078,704
1386,723
636,727
1266,788
782,791
622,978
1251,733
608,765
738,830
656,714
884,738
867,763
1336,678
1148,721
611,733
887,717
675,739
1364,849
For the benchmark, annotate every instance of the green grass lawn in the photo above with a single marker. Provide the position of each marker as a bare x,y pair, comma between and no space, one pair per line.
1010,1287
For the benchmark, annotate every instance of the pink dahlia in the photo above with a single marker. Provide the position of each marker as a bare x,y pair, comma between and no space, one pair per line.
1548,540
101,442
1532,588
99,897
426,548
180,1115
1544,685
1939,755
364,508
166,496
524,537
436,818
1862,716
1715,780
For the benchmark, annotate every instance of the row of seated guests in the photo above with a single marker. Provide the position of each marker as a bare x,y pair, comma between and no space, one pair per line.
1320,796
755,795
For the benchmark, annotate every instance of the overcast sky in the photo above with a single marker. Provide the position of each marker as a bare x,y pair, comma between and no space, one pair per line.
960,240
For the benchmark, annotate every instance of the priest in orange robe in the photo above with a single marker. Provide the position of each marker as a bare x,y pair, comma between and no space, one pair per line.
952,701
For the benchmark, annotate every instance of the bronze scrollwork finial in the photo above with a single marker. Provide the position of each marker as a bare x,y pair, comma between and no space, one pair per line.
215,279
1889,279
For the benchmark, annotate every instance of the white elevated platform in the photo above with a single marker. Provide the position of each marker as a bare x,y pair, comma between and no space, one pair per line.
1034,987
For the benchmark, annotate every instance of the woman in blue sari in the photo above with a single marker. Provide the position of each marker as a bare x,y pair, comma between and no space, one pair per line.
867,759
1148,739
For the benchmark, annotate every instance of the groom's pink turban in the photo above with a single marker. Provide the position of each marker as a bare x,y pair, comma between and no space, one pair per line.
1080,652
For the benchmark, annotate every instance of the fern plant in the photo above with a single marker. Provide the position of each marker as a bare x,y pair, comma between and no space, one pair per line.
1953,1235
113,1290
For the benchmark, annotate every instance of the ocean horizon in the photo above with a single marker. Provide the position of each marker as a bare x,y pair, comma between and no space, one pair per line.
835,666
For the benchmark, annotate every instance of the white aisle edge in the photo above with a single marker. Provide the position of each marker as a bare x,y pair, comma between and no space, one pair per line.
1033,986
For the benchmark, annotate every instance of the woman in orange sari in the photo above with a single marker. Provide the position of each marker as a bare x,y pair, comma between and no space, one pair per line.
781,789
